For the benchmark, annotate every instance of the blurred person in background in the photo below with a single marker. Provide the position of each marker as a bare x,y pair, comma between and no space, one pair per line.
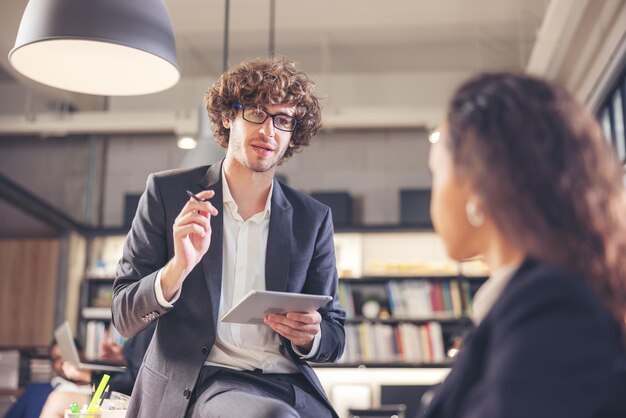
32,400
78,383
523,177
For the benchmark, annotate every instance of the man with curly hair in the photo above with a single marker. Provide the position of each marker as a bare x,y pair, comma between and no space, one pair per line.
188,259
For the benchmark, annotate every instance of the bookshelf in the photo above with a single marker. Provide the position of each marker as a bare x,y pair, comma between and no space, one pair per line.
103,252
406,301
422,299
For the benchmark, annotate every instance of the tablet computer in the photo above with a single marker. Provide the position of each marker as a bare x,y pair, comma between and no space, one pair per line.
256,303
69,352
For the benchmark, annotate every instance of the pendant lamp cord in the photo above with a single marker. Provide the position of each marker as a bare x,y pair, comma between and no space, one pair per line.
272,47
226,20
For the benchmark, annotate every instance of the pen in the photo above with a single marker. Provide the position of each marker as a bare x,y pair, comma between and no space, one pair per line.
93,405
193,196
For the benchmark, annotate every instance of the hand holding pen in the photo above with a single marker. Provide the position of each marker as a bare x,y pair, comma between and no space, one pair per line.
192,238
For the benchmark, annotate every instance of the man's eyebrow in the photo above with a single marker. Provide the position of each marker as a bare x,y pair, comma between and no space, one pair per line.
279,113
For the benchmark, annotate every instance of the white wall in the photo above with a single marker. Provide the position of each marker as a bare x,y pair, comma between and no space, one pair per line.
371,165
58,170
130,159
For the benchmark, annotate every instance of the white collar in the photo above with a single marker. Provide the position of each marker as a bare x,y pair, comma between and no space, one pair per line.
490,291
230,201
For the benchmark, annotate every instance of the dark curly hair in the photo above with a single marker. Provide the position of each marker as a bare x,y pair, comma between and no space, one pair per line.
261,82
540,163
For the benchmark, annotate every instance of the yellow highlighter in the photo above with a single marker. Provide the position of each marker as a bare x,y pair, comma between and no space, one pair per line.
93,405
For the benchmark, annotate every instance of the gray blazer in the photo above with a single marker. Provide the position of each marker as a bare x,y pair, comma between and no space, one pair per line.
300,258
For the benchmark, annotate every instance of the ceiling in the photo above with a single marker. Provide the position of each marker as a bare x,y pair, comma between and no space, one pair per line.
376,64
354,36
348,36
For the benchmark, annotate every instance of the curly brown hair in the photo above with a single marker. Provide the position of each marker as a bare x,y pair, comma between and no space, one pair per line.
539,162
261,82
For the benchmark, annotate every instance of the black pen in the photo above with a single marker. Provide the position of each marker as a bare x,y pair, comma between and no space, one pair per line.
196,197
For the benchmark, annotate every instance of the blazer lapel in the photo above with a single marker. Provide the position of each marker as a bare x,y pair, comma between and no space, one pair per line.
212,260
278,254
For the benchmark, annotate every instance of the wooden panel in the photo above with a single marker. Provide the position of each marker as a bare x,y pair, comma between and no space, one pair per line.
28,286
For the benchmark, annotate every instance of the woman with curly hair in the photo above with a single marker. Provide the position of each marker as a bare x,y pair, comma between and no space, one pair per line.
523,177
202,238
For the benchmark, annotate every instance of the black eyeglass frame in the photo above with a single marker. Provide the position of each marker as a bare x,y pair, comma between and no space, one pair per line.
238,106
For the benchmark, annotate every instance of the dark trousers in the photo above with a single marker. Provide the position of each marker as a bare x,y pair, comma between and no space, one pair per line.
222,392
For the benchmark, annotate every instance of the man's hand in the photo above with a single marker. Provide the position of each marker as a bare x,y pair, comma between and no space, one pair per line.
298,327
192,237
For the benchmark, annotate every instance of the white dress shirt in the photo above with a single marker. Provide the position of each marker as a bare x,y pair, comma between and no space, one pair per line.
491,290
244,346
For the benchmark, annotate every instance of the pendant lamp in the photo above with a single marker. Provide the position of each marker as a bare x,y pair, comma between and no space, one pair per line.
101,47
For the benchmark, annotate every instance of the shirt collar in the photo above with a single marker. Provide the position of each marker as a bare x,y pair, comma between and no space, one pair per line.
230,201
490,291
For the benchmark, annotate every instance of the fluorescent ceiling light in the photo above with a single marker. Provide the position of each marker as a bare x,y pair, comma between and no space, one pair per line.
187,142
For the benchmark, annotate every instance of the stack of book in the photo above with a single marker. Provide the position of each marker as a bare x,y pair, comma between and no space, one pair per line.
40,370
10,369
421,299
97,333
386,343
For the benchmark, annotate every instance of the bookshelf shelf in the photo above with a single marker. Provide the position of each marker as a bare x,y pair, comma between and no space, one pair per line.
94,321
108,277
96,313
382,365
385,279
392,321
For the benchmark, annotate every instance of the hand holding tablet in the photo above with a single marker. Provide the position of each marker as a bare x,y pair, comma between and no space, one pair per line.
256,303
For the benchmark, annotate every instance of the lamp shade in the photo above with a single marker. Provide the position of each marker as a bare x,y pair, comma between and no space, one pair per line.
102,47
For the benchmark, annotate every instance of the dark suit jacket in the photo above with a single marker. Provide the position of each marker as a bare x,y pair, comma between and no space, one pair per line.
300,258
547,348
31,402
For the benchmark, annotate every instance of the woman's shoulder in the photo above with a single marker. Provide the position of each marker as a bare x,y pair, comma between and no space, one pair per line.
541,278
540,289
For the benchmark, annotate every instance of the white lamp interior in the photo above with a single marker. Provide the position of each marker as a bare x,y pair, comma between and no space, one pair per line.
94,67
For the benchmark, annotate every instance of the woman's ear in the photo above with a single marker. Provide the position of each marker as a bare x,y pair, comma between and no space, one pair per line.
291,144
474,210
225,122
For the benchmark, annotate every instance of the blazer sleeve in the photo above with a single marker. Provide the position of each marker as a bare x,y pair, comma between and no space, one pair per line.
322,279
135,304
550,355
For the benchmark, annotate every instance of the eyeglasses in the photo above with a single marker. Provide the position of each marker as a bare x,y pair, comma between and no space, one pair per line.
258,116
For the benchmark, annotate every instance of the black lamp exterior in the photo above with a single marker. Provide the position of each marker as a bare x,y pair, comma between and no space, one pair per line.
140,24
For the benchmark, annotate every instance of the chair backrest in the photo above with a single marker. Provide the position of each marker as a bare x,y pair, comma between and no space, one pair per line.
383,411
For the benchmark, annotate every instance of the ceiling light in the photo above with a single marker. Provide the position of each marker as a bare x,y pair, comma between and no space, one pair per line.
187,142
101,47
